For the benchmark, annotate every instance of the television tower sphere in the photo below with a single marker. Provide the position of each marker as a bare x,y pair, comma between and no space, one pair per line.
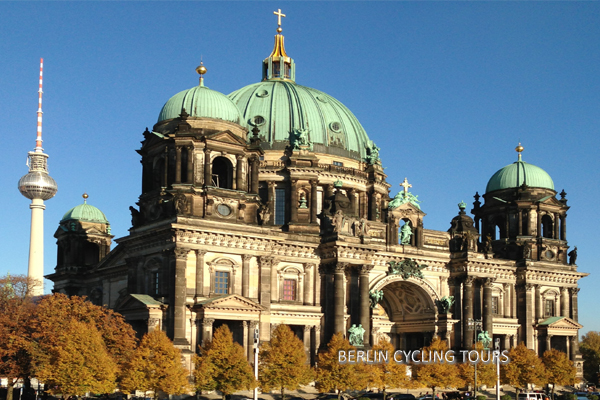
37,185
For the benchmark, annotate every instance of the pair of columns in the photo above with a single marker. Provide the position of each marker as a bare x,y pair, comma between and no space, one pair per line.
469,332
339,299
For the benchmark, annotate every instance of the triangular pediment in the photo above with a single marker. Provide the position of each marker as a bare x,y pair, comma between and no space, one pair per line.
559,323
407,209
226,137
231,302
134,302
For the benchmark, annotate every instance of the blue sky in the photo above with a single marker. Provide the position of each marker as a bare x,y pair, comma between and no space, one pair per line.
446,89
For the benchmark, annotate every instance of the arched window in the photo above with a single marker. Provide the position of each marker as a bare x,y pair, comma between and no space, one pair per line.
91,253
547,231
158,173
222,173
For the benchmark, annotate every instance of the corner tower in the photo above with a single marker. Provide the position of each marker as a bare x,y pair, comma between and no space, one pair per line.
37,186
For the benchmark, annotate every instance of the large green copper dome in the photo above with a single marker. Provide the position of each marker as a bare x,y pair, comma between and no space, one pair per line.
201,101
85,212
281,107
517,173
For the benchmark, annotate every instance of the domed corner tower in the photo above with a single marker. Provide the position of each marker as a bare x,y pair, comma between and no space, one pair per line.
310,142
198,161
521,218
83,239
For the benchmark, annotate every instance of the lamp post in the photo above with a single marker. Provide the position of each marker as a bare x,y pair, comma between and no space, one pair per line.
475,325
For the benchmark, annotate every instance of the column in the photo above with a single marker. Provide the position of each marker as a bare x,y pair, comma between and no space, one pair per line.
306,340
246,274
251,328
190,164
177,164
506,342
539,225
271,201
207,330
254,175
364,212
351,193
574,305
501,298
520,222
572,347
264,295
299,289
526,315
200,273
317,342
563,227
245,340
507,299
308,282
274,284
313,201
207,168
166,165
294,201
339,324
564,302
556,226
239,174
365,301
467,311
317,275
513,302
538,302
548,342
488,322
180,297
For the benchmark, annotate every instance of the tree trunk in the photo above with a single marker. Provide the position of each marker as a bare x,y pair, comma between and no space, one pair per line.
223,396
282,393
9,391
339,394
553,386
433,393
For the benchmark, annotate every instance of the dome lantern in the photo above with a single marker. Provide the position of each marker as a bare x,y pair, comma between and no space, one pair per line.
278,65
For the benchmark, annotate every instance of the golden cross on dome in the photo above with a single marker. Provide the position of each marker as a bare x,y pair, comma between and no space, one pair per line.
405,185
279,15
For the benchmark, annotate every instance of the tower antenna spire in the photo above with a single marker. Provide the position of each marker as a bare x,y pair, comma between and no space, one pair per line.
38,141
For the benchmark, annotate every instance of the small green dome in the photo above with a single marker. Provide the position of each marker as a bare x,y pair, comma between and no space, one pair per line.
281,107
517,173
85,212
201,101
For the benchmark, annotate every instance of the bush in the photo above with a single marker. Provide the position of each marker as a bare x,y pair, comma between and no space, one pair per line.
481,397
570,396
593,397
505,397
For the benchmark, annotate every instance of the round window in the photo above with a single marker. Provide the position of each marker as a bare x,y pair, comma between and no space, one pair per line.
262,93
257,120
223,209
335,126
322,99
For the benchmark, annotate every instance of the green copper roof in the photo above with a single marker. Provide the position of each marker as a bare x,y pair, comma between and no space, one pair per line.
550,320
281,108
85,212
200,101
517,173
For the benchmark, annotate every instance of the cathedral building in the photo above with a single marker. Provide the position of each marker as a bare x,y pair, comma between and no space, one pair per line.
270,206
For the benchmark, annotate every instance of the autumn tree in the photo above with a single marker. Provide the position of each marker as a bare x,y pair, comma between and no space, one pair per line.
78,363
590,351
283,362
17,308
436,374
334,376
486,373
384,376
223,365
524,367
155,365
54,311
559,369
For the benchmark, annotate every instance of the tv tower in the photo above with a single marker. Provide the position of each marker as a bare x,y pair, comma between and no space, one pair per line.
37,186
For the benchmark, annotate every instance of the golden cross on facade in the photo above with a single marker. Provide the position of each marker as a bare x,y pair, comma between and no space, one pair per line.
405,185
279,15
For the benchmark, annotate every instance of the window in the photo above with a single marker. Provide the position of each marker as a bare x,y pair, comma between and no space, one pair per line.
289,289
338,164
495,305
156,279
549,312
221,282
222,173
279,206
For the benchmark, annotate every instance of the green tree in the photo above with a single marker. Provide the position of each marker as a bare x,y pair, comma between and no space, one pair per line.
17,309
223,365
156,366
486,373
283,364
524,367
54,311
384,376
559,369
590,351
333,376
439,374
78,363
